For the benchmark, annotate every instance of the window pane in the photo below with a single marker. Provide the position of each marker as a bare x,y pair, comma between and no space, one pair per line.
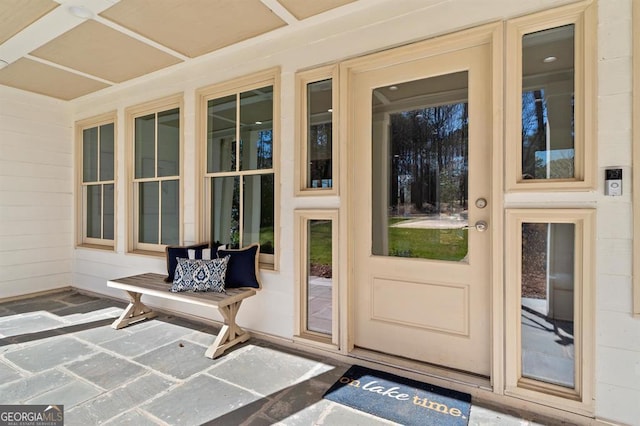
106,152
94,211
547,302
170,212
319,274
169,143
145,146
108,218
420,168
90,155
148,220
256,129
319,137
221,134
258,212
225,210
548,104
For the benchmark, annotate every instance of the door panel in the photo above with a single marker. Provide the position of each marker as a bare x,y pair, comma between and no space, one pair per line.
421,175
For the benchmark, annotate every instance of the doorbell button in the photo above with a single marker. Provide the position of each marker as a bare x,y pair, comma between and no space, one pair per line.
613,182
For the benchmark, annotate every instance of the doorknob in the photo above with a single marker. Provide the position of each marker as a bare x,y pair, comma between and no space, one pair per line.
480,226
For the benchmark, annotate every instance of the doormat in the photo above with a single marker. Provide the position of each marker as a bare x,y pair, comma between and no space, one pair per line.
399,399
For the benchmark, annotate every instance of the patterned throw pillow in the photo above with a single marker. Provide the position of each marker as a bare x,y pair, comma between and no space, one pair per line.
200,275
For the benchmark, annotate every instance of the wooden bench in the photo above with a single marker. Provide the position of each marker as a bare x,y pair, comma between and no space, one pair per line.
228,304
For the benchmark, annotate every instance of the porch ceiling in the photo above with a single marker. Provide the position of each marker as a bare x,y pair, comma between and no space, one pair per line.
49,50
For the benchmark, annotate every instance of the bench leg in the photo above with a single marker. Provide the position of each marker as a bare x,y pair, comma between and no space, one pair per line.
230,334
136,311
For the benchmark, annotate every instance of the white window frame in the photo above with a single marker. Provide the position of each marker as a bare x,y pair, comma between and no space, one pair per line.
301,236
81,199
132,205
583,16
270,77
303,79
580,398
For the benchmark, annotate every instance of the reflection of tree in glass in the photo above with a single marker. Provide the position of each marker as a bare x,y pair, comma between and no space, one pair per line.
429,148
265,149
534,260
320,152
534,135
540,160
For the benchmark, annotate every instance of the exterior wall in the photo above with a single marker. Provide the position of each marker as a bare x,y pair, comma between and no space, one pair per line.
617,332
291,50
35,193
44,235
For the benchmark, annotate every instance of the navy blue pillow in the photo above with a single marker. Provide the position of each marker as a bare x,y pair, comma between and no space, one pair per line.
242,269
174,252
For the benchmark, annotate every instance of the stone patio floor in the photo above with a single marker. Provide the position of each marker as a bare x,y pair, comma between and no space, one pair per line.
60,349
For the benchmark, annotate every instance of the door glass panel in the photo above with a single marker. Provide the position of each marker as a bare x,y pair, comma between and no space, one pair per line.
548,104
420,168
319,135
319,274
547,301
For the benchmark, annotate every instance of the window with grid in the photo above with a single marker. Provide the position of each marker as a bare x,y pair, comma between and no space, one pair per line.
156,178
96,189
239,170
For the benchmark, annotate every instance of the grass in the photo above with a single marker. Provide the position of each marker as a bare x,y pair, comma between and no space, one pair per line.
436,244
320,242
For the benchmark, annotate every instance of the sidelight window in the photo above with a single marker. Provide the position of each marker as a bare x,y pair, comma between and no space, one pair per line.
549,321
550,102
317,277
317,131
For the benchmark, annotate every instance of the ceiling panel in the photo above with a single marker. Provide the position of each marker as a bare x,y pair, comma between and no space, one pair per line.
196,26
305,9
33,76
69,48
96,49
18,14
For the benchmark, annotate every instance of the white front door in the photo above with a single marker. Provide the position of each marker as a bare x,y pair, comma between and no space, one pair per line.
420,175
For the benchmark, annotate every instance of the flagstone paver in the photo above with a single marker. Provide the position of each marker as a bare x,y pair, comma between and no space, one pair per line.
106,371
135,376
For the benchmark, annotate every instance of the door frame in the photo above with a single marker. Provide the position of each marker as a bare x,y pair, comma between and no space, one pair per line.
491,34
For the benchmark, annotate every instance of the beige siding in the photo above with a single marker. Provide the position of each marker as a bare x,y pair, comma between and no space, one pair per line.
618,333
36,216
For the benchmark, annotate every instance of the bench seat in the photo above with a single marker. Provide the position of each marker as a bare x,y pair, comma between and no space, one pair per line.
227,303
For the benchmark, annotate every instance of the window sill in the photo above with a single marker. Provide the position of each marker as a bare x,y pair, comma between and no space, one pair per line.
96,247
147,253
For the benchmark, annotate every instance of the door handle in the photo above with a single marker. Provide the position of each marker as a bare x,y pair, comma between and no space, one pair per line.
479,226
